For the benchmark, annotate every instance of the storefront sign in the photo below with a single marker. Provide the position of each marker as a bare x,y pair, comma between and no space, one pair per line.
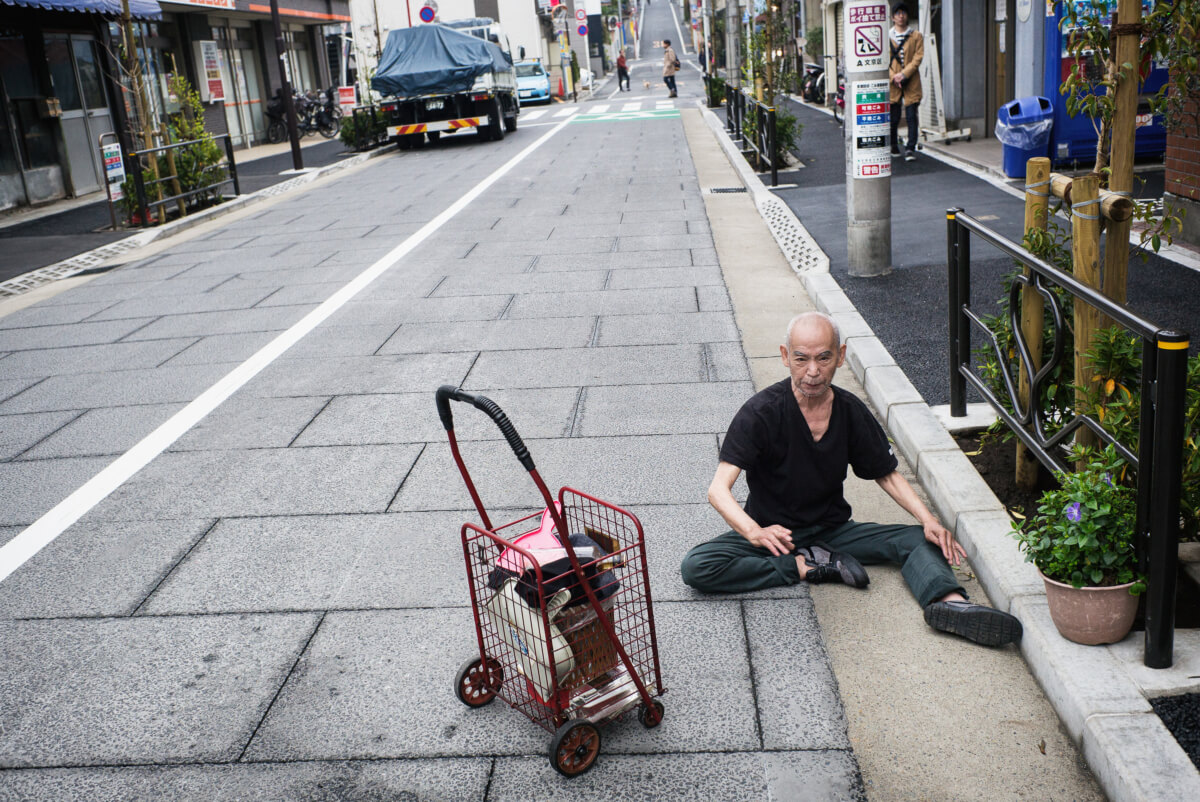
114,169
210,63
347,99
229,4
866,35
869,113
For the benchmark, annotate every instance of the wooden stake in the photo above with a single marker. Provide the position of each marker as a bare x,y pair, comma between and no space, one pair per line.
1037,197
1085,253
1116,251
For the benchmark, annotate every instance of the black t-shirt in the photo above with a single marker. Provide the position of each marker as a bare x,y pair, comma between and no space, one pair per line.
795,481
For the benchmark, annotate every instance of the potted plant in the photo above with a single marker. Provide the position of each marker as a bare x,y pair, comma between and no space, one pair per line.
1082,542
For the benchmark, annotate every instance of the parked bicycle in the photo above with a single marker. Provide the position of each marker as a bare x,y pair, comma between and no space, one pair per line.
316,112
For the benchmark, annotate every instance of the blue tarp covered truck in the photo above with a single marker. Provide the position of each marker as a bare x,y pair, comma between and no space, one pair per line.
446,78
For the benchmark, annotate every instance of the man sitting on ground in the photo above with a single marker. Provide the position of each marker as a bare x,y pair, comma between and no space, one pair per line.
795,440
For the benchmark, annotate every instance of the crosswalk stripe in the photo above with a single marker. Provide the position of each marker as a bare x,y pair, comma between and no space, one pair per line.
664,104
533,115
599,108
632,107
567,112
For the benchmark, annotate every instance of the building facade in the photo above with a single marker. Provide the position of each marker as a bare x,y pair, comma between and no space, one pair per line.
63,85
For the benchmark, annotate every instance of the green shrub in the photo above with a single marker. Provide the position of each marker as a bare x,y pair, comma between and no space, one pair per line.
351,124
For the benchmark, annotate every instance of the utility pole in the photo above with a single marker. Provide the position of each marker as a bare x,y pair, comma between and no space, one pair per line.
868,156
286,88
705,14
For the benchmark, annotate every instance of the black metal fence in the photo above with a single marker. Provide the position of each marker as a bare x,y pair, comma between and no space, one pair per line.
761,143
1159,460
221,173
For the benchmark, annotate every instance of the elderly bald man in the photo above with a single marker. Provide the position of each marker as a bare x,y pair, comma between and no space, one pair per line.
795,440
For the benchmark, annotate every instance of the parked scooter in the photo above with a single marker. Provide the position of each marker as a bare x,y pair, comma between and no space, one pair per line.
812,85
839,102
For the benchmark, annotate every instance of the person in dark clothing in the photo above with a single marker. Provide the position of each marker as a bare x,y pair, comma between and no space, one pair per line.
622,72
795,440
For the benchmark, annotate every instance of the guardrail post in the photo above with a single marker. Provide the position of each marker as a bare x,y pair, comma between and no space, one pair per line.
1166,473
1146,452
237,190
772,141
958,383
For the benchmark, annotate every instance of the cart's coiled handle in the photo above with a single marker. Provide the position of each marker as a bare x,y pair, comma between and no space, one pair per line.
448,392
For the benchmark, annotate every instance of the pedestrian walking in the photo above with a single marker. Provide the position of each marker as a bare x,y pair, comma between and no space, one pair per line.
670,67
795,440
908,48
622,72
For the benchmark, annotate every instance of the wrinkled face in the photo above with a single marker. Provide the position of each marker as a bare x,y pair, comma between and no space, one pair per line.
812,358
900,18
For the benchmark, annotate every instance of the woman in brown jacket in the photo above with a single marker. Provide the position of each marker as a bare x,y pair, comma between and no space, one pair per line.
670,67
908,48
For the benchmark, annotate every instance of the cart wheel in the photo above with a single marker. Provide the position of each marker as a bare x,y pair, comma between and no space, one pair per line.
476,686
651,720
574,747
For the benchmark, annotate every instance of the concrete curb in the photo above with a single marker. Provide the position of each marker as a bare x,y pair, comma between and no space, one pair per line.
1133,756
97,256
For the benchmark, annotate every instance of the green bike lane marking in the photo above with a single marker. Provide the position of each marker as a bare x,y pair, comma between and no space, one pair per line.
624,116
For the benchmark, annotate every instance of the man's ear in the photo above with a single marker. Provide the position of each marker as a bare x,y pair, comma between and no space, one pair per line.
841,355
783,352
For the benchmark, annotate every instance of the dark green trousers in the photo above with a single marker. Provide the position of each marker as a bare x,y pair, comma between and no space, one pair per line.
731,564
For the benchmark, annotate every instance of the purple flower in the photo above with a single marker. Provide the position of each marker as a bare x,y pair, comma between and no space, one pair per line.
1108,479
1073,512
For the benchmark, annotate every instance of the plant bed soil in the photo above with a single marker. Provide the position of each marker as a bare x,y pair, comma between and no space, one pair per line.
1181,715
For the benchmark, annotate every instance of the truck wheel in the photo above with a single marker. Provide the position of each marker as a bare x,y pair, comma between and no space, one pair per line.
496,121
433,136
510,123
416,141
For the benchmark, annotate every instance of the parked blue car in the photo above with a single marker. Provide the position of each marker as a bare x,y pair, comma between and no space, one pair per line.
533,82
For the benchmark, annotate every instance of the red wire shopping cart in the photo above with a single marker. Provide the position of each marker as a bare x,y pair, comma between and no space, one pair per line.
565,623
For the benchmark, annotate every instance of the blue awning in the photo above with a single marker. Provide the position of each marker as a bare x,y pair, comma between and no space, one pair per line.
138,9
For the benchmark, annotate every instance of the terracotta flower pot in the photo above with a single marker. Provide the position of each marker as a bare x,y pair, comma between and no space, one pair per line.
1091,616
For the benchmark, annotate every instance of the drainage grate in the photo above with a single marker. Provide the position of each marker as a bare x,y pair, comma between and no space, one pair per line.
798,246
724,190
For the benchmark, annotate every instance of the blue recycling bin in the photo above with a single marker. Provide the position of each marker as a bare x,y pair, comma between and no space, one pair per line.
1023,128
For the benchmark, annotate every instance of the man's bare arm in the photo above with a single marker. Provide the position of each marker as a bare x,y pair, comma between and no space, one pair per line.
903,494
775,539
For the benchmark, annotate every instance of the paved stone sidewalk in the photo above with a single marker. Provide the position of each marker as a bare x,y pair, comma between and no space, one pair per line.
275,607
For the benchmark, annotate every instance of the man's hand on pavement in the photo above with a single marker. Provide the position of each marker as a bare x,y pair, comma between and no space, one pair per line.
940,536
774,538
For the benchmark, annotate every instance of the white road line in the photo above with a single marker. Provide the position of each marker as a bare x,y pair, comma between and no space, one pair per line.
632,107
567,112
599,108
45,529
664,104
533,115
678,30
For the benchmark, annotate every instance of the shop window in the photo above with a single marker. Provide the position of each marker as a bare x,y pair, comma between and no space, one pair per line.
62,75
14,67
8,157
26,103
89,73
